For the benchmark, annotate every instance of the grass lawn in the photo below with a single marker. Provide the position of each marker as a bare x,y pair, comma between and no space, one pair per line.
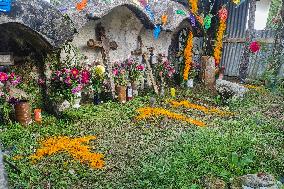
157,152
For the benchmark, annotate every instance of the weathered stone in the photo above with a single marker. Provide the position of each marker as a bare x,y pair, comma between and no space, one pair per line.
229,89
6,59
255,181
3,178
17,93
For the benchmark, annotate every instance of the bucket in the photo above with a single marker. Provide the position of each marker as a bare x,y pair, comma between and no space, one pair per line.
121,92
23,113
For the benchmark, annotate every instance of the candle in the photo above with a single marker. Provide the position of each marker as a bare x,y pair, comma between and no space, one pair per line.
173,92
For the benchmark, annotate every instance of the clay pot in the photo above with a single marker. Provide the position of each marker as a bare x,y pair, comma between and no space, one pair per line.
37,115
121,92
23,113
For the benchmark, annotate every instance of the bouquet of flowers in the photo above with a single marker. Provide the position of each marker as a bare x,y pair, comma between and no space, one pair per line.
7,81
164,68
134,69
120,74
66,83
98,76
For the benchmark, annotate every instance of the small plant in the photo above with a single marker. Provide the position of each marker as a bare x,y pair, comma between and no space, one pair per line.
134,68
120,74
98,76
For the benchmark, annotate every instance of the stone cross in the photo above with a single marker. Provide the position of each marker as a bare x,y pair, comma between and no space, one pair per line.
105,45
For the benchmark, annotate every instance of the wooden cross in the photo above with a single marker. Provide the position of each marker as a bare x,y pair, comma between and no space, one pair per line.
105,45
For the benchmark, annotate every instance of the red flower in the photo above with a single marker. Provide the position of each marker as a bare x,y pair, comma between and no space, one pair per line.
140,67
3,77
75,72
254,46
85,77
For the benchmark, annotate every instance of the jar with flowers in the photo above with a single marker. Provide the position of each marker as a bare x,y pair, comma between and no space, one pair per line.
135,71
121,80
164,72
98,76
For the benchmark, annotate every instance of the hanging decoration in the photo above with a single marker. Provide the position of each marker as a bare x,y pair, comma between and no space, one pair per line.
80,6
164,19
238,2
194,6
223,15
157,31
200,19
143,3
149,12
188,56
5,5
255,46
207,21
181,12
192,20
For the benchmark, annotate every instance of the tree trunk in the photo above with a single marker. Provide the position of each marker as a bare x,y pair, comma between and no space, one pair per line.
249,36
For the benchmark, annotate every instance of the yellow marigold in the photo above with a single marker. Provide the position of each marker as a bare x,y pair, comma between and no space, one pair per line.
74,147
204,109
147,112
219,41
188,56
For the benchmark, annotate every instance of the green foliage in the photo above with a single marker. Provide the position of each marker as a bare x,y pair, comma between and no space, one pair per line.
274,11
157,153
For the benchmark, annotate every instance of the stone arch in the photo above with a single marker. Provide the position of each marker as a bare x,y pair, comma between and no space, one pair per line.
41,18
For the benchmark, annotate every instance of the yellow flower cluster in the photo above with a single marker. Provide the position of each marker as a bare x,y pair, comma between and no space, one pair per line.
204,109
188,56
194,6
73,146
148,112
219,41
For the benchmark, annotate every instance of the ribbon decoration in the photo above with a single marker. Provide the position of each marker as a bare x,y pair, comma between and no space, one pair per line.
5,5
149,12
223,14
157,31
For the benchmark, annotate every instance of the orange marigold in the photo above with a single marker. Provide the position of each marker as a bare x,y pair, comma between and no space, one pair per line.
188,56
204,109
147,112
194,6
219,41
74,147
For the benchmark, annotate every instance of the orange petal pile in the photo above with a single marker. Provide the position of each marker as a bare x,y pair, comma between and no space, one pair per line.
74,147
204,109
148,112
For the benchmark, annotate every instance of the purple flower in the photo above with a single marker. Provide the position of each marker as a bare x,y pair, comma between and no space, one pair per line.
68,81
77,89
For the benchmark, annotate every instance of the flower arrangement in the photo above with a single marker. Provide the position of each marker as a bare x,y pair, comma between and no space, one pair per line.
8,80
164,68
98,76
223,15
148,112
188,56
67,83
74,147
134,69
120,73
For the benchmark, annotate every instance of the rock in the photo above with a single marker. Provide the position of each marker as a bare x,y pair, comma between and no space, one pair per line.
214,183
3,177
17,93
229,89
255,181
57,108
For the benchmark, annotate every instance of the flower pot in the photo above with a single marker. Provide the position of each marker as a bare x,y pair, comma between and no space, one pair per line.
121,92
37,115
77,100
23,113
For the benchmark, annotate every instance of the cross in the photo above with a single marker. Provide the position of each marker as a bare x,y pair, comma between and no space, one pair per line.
105,45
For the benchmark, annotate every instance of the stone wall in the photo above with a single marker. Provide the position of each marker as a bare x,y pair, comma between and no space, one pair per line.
121,25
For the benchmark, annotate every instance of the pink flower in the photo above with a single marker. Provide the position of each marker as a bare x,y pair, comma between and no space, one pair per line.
254,46
12,75
3,77
68,81
58,73
85,77
75,72
77,89
16,81
41,81
140,67
115,72
161,74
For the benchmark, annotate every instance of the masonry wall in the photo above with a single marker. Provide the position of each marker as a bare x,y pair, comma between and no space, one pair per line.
124,27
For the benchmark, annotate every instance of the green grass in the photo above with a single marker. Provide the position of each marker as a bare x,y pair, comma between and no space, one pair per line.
157,153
